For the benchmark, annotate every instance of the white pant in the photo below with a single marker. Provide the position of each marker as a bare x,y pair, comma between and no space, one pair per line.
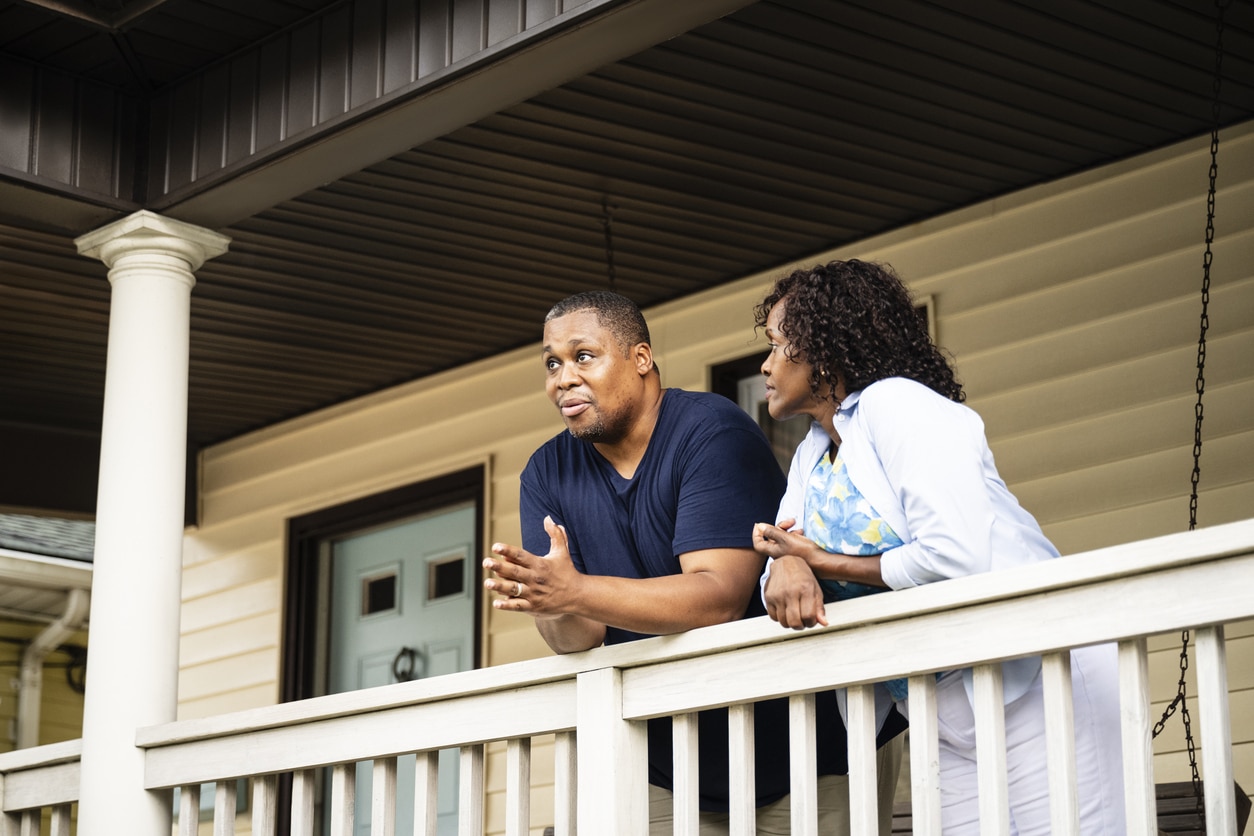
1099,753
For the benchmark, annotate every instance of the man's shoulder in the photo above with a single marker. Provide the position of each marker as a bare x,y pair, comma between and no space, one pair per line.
556,449
707,408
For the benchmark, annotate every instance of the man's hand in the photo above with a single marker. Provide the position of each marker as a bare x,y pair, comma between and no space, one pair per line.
541,586
793,595
572,609
545,588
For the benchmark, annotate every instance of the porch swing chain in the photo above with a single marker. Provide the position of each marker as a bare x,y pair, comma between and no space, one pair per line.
1181,688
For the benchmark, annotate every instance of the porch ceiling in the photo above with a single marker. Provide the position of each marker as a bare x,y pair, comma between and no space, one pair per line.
777,132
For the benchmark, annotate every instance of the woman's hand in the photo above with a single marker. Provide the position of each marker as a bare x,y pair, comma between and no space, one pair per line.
781,539
793,595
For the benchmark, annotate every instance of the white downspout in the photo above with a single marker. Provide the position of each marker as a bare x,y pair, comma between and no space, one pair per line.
30,693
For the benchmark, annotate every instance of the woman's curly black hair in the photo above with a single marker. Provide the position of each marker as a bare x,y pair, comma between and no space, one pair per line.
856,319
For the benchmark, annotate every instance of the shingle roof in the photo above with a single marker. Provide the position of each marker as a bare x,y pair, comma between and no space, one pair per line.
73,539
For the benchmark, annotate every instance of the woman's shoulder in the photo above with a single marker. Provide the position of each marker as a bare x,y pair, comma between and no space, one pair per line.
903,399
896,390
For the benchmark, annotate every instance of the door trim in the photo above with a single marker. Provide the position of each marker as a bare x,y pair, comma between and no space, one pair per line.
304,536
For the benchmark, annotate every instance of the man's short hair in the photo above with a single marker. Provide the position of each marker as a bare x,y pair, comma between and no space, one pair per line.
615,312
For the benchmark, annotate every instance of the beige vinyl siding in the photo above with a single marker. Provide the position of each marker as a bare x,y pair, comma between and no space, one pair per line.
1071,309
61,707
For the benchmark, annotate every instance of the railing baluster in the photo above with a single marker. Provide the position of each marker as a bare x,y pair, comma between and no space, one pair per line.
687,789
990,751
741,774
518,787
265,805
803,765
60,822
30,822
565,801
426,793
1138,747
59,825
863,800
224,808
1064,807
189,810
925,804
303,802
470,792
1212,703
383,798
343,798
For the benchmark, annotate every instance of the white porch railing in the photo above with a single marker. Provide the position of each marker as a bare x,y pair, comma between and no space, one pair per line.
595,703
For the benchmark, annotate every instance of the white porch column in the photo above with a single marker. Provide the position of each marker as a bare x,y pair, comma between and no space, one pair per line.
132,669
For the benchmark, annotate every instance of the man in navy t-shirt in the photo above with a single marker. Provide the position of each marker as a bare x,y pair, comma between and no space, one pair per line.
637,521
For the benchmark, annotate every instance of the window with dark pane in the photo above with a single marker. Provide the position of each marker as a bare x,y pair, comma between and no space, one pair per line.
447,577
378,594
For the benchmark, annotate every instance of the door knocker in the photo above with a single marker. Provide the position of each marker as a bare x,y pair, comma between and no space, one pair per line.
404,664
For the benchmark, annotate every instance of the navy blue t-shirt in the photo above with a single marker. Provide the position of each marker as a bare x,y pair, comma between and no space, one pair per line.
707,476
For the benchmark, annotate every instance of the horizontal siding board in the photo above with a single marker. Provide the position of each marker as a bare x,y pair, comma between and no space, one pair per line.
235,569
240,670
1137,481
244,636
229,605
1150,520
1094,440
1173,277
240,699
1163,333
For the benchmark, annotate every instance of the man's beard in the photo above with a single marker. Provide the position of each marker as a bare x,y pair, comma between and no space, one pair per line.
601,430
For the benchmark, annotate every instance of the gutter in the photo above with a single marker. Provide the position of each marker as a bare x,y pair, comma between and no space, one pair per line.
30,693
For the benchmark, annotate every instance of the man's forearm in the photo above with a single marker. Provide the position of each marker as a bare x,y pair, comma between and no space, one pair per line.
570,633
664,605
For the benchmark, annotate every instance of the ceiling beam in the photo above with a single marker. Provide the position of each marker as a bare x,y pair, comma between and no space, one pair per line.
110,21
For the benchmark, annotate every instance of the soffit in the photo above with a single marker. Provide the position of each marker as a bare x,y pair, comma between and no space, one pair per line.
773,134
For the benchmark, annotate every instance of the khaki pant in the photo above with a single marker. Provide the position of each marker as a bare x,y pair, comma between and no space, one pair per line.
776,819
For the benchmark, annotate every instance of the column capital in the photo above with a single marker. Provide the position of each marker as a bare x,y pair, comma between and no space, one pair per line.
148,231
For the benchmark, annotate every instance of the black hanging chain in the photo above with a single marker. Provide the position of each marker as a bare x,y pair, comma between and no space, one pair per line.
607,221
1182,688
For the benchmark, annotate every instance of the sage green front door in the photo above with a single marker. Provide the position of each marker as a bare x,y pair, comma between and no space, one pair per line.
402,607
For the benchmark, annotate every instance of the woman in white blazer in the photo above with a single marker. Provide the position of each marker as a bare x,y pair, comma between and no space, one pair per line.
895,486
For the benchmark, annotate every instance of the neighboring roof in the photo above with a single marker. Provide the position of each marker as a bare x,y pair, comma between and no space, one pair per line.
41,560
48,536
